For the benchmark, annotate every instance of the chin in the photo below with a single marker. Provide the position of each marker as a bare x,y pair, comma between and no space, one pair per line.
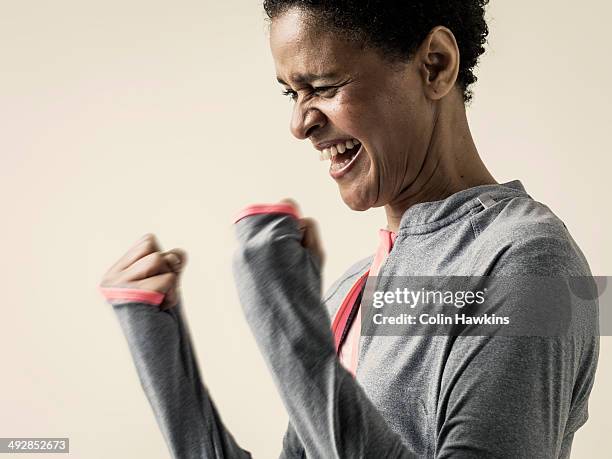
354,202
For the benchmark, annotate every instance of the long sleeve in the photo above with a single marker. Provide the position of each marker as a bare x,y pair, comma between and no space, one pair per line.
497,396
279,285
524,396
506,396
160,345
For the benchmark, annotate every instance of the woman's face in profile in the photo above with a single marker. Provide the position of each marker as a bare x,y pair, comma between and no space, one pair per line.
342,91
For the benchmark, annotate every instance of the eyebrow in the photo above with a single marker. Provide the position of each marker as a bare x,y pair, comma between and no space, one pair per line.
302,78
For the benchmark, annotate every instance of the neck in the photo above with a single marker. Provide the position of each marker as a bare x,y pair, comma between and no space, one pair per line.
451,164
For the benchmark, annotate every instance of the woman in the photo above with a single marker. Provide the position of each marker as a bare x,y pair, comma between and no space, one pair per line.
380,91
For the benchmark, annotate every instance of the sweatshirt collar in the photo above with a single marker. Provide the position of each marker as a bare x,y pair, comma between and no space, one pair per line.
426,217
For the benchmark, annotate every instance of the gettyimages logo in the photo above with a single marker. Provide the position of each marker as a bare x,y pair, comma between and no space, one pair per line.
486,306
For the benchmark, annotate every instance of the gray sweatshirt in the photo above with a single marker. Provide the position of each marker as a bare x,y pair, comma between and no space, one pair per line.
413,396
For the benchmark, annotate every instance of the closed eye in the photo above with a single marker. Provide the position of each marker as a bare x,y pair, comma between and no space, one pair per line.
290,93
328,90
325,91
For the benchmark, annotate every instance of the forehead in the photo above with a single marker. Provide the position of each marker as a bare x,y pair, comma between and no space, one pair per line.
301,48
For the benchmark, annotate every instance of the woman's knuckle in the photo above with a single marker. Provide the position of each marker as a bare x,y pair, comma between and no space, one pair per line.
156,259
172,277
109,279
149,244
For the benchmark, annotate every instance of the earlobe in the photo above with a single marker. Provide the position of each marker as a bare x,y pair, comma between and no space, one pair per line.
440,62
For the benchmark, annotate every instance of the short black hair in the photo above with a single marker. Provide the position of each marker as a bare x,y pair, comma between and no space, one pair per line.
398,27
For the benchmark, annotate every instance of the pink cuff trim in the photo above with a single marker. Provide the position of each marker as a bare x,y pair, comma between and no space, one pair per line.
132,294
267,209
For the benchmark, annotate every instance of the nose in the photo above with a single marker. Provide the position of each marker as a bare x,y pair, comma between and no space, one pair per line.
305,121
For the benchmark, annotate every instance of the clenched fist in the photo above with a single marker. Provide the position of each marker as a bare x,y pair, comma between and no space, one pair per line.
145,267
309,229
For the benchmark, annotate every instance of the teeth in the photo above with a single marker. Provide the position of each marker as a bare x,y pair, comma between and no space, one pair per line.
328,153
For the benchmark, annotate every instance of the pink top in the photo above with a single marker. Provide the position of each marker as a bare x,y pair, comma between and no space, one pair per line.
349,350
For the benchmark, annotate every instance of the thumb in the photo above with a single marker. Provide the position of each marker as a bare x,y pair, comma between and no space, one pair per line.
311,238
176,259
293,203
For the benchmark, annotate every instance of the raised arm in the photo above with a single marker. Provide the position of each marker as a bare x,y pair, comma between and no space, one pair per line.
279,285
160,344
500,396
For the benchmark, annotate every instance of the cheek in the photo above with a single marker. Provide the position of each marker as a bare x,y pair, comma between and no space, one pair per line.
354,111
404,134
344,115
396,145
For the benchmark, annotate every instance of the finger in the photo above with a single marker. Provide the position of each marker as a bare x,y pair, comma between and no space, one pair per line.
161,283
293,203
311,237
144,246
311,231
148,266
176,259
169,299
172,298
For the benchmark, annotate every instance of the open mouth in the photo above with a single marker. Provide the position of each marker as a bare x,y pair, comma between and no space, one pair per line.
340,161
342,155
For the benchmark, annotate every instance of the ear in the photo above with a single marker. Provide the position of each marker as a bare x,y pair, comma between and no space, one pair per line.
438,58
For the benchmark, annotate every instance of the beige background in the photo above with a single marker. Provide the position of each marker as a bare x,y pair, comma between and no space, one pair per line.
124,117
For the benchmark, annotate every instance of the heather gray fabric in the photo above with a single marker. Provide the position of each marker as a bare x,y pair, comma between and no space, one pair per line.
418,396
160,344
